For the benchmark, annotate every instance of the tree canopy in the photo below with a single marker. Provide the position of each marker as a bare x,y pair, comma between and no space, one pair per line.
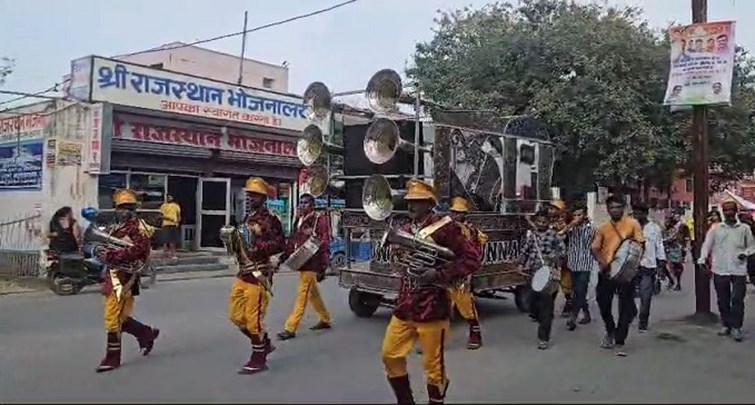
6,67
595,75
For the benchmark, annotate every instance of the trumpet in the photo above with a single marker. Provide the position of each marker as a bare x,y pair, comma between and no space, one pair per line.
419,254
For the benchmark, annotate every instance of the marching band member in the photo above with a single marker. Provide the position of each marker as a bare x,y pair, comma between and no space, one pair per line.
462,296
544,247
423,308
558,217
608,238
248,299
122,281
310,222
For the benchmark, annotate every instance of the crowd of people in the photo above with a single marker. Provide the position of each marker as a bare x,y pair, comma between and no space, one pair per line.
563,239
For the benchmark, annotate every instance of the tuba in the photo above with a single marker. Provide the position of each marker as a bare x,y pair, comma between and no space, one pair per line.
102,240
420,254
236,244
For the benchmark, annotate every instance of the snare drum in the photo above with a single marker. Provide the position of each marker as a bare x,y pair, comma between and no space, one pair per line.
545,281
626,262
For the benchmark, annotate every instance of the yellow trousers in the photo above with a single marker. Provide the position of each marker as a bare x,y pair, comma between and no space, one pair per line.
399,340
566,287
248,306
116,311
307,291
462,298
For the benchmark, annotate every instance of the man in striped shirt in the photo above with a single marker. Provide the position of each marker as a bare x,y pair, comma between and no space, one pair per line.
579,259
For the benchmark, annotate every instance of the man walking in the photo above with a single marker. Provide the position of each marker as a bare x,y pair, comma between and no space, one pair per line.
653,258
729,244
579,260
608,237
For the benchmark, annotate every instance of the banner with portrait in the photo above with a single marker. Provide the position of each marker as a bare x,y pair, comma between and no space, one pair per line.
702,64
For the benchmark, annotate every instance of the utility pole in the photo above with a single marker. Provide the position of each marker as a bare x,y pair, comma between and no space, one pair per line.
701,188
243,49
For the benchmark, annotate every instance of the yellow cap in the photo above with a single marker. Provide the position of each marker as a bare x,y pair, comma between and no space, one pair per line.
124,196
419,190
560,204
729,200
459,204
257,185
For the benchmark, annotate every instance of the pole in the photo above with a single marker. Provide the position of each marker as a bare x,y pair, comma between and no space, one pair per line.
701,187
243,49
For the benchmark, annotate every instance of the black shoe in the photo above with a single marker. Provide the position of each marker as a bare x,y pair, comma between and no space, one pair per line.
571,324
585,320
320,325
285,335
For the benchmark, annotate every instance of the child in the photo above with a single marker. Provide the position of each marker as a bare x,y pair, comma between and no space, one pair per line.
543,247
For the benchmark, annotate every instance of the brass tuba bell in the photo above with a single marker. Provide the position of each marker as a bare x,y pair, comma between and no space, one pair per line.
310,146
317,100
378,197
384,90
383,139
316,181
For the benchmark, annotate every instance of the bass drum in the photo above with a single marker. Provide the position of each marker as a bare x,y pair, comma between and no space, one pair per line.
626,262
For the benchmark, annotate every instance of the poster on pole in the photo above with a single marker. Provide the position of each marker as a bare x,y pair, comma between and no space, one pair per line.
702,64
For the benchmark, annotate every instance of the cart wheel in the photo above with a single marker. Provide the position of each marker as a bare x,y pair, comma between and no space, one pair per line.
363,304
522,296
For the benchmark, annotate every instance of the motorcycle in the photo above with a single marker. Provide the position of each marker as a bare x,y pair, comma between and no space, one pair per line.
69,273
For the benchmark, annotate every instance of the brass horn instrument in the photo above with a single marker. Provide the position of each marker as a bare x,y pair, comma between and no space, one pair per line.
420,254
92,234
316,182
317,100
378,197
311,145
236,245
383,139
383,91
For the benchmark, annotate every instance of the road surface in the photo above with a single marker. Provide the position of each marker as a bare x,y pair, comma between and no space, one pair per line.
49,347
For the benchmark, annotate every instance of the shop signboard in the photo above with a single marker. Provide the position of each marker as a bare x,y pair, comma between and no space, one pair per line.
132,85
147,129
21,151
100,130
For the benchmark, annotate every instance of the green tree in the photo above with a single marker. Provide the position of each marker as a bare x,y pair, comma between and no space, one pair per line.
6,67
596,75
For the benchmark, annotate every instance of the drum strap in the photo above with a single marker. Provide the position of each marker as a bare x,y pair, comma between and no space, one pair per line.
621,238
427,231
536,240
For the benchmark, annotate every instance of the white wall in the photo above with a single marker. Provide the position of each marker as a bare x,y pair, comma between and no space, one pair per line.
214,65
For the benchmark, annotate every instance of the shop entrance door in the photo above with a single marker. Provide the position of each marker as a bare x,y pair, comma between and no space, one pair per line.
214,210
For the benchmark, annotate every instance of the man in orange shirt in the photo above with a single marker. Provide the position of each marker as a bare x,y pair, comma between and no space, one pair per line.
608,238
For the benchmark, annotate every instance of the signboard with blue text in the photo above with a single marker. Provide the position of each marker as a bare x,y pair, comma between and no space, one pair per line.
126,84
21,150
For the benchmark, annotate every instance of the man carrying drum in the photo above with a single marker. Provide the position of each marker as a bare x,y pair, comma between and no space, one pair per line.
461,296
608,238
310,222
248,300
543,249
423,308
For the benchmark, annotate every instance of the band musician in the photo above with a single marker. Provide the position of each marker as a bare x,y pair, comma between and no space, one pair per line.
309,223
559,218
461,296
249,299
608,237
121,280
423,307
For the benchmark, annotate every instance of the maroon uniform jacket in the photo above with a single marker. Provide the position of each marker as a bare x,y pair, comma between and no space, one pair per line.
269,242
320,223
431,303
124,258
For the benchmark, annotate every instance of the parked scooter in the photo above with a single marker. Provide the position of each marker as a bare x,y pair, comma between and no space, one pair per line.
69,273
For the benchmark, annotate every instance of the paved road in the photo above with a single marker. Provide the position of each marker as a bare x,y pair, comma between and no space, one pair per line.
50,345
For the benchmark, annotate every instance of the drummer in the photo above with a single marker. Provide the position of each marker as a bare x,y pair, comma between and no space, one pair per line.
608,238
543,247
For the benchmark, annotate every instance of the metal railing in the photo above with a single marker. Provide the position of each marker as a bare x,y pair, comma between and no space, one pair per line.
20,246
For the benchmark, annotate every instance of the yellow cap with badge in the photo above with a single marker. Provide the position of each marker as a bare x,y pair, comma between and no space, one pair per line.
459,204
257,185
124,196
419,190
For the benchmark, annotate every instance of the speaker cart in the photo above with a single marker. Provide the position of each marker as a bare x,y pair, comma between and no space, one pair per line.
502,165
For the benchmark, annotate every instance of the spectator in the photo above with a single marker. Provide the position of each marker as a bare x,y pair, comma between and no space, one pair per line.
64,232
171,215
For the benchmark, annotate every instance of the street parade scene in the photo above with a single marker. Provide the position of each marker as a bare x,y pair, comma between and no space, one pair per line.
542,201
